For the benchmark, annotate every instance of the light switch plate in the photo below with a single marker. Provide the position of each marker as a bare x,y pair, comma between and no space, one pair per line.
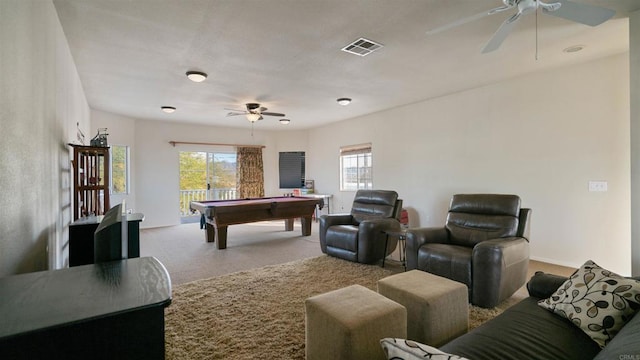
597,186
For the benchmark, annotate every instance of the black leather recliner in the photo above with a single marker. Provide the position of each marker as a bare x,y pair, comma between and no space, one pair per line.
484,245
360,236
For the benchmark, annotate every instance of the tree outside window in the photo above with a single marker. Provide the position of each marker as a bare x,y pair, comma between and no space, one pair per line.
119,169
206,176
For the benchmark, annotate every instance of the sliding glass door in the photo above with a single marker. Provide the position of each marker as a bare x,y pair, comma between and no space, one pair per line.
206,176
221,176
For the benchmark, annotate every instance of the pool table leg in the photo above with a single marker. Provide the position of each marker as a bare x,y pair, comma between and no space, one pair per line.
221,234
210,234
288,224
306,225
217,231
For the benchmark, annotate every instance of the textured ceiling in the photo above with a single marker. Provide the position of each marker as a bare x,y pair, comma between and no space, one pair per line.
132,55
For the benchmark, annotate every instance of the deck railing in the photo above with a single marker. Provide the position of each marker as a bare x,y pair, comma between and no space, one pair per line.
186,196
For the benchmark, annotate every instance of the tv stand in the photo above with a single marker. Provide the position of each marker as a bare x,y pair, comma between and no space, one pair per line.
81,241
110,310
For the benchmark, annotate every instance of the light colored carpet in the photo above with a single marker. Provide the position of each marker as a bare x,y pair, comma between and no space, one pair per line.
188,257
259,313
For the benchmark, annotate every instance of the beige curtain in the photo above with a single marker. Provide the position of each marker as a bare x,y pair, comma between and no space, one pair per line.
250,172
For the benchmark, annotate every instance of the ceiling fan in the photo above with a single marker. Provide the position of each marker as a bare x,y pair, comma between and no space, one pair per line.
582,13
254,112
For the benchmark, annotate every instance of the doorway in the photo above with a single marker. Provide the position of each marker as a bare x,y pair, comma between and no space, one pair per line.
205,176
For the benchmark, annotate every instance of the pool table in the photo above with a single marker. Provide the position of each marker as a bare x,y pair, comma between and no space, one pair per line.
219,214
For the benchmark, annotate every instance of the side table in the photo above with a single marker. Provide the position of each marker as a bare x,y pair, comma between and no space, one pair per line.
401,235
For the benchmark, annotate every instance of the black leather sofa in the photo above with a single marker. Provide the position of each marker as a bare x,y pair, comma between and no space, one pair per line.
527,331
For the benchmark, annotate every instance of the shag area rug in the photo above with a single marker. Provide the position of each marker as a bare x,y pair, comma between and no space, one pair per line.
259,313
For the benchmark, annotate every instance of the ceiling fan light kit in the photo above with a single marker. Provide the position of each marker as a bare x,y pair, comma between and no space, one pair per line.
577,12
254,112
344,101
168,109
253,117
196,76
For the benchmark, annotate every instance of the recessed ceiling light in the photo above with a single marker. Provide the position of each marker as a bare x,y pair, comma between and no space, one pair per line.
285,121
168,109
574,48
344,101
196,76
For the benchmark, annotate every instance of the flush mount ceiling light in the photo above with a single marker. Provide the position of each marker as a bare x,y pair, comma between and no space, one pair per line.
344,101
574,48
253,117
285,121
196,76
168,109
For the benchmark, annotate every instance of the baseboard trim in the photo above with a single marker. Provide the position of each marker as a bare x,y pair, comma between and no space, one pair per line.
555,262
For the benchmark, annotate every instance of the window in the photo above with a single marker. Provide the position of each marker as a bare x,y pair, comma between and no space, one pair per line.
119,169
356,167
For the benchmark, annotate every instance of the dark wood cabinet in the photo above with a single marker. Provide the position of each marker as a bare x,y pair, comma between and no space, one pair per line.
90,180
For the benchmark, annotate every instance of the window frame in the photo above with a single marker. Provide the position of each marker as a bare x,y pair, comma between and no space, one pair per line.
127,170
362,154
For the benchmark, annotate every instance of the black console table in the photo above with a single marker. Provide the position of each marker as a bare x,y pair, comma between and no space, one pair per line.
81,244
111,310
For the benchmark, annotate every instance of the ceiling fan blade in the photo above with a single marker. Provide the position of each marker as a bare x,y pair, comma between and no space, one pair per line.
502,33
272,114
235,113
582,13
469,19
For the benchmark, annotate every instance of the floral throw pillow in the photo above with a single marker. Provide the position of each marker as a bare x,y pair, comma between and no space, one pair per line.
596,300
401,349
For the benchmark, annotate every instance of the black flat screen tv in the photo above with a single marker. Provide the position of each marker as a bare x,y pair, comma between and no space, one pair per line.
291,168
111,240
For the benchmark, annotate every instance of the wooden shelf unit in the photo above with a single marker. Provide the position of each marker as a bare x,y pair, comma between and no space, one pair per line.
90,180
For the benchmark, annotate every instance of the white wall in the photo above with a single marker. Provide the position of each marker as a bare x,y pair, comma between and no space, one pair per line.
41,106
542,136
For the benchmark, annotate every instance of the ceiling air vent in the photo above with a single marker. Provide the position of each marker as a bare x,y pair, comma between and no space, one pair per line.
362,47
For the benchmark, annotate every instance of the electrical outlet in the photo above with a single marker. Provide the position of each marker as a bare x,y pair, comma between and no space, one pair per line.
597,186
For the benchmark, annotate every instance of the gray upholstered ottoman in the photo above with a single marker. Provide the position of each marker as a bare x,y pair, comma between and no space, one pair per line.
437,308
348,324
